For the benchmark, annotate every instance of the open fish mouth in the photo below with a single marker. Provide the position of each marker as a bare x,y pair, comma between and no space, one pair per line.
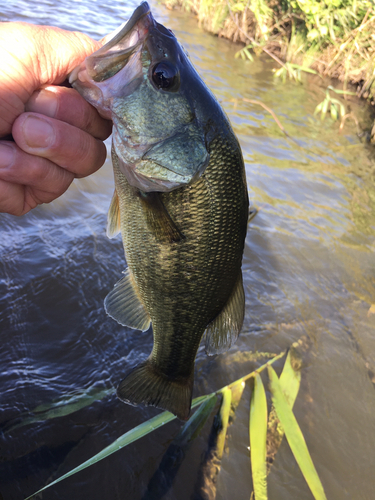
142,80
118,56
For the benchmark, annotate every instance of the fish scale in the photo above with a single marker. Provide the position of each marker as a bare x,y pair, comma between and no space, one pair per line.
180,203
185,285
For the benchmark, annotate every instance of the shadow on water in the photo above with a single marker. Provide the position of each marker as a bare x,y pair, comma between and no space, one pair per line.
308,269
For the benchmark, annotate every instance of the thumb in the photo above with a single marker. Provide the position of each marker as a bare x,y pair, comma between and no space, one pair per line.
32,57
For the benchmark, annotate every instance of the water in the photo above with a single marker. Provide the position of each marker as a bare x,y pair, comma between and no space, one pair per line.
308,273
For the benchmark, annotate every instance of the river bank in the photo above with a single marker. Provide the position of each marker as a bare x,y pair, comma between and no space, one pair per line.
333,38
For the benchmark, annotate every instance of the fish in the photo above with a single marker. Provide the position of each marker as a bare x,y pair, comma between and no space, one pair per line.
180,203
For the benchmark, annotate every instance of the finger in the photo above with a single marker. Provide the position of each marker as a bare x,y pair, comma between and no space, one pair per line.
67,105
12,198
27,181
32,57
65,145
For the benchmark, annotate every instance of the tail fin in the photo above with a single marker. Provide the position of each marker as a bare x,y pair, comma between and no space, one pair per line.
146,385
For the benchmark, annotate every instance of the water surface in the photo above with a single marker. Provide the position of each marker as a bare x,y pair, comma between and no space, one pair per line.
308,273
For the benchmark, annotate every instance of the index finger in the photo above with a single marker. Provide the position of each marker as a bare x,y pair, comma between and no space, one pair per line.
67,105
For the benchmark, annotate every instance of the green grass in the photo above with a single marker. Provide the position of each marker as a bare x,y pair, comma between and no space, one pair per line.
283,394
331,37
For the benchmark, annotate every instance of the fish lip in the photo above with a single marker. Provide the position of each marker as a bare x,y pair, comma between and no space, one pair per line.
125,42
86,78
141,11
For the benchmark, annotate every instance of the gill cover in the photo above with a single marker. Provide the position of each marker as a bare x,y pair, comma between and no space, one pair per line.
143,81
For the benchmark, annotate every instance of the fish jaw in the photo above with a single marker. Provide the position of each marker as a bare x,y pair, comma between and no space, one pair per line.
115,69
160,143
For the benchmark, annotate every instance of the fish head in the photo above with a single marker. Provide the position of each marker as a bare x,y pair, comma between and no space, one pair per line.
143,80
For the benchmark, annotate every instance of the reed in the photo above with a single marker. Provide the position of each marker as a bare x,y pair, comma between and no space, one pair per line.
262,430
332,37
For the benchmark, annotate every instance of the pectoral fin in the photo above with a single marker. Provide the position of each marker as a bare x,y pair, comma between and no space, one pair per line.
113,218
223,331
158,219
124,305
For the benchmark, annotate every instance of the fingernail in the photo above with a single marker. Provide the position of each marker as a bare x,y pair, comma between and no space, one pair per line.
38,132
6,155
43,102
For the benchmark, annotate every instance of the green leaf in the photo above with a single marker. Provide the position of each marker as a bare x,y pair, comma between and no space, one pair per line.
313,34
193,426
337,91
127,438
248,54
65,405
318,108
295,437
224,419
290,382
290,378
149,426
304,68
279,72
334,111
258,438
324,108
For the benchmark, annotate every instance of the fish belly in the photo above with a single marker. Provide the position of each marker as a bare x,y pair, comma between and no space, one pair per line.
183,284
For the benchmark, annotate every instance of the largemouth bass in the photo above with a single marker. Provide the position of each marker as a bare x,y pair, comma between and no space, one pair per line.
180,202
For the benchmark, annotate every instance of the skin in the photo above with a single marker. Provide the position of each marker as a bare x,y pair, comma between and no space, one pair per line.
57,135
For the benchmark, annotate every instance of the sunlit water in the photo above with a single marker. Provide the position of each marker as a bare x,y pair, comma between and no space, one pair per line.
308,273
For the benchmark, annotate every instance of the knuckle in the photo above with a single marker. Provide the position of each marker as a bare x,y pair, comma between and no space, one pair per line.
94,124
92,156
87,117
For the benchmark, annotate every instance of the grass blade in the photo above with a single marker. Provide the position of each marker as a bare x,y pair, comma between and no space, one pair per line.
223,421
127,438
149,426
258,437
295,437
290,378
61,407
163,478
193,426
206,485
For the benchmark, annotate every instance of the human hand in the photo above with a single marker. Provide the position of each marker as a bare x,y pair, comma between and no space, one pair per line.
58,135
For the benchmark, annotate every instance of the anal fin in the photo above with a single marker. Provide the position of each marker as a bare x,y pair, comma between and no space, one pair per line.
223,331
123,304
113,218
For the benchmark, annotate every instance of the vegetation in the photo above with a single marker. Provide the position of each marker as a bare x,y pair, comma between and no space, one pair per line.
266,431
334,38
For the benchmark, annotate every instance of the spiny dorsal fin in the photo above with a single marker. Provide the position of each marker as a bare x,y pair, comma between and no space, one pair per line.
113,218
123,305
223,331
158,218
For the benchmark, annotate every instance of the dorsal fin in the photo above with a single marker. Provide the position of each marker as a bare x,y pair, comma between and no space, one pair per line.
223,331
113,218
124,305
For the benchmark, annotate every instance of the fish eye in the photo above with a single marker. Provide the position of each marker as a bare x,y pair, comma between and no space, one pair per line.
165,76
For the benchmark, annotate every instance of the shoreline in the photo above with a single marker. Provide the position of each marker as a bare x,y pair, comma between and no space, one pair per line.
325,46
